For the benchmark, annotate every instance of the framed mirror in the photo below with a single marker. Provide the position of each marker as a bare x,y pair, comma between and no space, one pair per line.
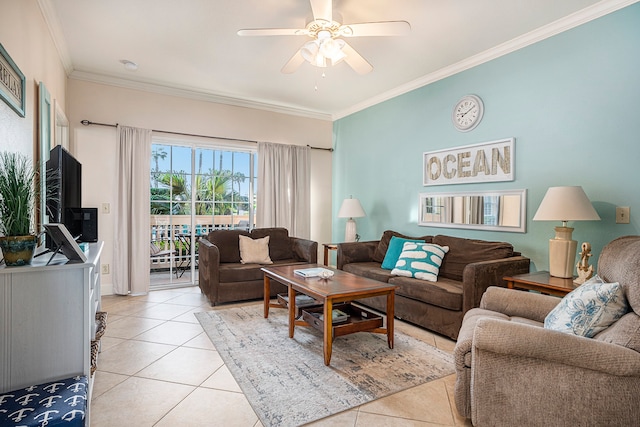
498,210
44,133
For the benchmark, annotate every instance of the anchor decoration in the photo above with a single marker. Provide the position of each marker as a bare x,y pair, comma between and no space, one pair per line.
585,271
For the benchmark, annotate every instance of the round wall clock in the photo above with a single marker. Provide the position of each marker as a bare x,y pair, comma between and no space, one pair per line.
467,113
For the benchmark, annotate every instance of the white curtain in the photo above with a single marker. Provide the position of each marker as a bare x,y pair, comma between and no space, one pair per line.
131,240
284,183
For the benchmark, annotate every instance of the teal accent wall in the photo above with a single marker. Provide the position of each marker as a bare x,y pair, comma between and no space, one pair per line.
572,103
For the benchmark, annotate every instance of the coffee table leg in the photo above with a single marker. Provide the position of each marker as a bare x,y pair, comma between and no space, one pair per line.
292,310
328,330
390,315
267,295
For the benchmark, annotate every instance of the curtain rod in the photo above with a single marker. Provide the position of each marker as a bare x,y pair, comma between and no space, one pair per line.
87,123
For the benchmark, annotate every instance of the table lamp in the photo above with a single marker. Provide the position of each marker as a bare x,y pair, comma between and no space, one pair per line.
351,208
564,204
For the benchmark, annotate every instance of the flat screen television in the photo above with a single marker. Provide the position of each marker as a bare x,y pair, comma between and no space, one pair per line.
64,190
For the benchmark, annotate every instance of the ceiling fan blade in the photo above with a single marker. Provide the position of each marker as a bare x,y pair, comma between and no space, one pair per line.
386,28
322,9
294,63
273,32
355,60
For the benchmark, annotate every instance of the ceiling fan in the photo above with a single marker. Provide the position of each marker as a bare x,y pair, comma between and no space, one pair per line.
327,46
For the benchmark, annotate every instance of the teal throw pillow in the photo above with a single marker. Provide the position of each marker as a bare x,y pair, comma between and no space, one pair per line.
588,309
420,260
393,251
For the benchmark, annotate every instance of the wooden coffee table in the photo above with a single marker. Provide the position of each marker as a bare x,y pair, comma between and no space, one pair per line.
343,287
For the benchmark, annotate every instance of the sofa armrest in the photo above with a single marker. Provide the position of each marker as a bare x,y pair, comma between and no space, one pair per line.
516,303
208,269
533,342
527,375
478,276
355,252
305,249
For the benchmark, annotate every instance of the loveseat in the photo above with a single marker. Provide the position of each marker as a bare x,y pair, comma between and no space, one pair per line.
223,275
517,365
467,270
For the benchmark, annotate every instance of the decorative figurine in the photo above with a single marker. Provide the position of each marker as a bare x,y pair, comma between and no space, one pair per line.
585,271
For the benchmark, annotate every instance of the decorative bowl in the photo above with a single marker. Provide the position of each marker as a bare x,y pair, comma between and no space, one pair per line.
325,274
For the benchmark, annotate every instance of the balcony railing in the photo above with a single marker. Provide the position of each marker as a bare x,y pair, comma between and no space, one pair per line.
171,236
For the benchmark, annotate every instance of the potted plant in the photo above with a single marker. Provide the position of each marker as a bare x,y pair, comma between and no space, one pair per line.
17,198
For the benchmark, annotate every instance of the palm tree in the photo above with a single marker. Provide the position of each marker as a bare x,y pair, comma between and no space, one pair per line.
158,154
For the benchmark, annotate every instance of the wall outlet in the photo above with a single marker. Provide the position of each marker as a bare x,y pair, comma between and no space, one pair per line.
106,208
104,268
622,215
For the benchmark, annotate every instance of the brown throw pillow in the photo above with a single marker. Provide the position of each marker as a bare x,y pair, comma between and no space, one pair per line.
381,250
227,243
466,251
279,242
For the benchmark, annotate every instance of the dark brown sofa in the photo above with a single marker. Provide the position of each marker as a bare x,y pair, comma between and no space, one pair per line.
467,270
223,278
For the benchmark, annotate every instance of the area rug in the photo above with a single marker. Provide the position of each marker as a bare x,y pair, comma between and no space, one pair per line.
286,380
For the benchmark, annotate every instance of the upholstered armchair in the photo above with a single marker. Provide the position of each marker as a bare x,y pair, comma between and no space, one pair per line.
511,371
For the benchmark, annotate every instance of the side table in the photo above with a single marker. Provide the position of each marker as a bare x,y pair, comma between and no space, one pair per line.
541,281
328,247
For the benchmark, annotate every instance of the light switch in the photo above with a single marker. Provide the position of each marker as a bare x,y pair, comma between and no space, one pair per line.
106,208
622,215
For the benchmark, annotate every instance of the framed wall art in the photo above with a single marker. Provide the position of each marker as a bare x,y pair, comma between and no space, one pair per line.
12,83
486,162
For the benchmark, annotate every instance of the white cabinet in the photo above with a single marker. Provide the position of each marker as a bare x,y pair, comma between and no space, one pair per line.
47,319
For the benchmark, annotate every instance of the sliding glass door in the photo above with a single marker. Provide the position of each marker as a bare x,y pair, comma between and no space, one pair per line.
194,190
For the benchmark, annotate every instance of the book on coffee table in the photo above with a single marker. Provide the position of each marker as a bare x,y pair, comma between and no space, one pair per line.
310,272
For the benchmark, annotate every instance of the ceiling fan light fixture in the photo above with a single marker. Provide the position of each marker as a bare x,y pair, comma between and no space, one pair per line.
311,53
332,49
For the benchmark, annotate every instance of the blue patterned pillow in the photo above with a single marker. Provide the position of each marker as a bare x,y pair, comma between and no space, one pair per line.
589,309
420,260
393,251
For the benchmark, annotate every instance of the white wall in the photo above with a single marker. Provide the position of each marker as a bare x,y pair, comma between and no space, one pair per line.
94,146
25,36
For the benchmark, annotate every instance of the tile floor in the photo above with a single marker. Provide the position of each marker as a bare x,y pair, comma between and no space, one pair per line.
158,368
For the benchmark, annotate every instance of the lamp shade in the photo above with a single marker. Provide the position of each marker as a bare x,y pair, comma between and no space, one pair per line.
566,204
351,208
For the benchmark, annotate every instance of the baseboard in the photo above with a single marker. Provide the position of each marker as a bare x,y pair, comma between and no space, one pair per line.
106,289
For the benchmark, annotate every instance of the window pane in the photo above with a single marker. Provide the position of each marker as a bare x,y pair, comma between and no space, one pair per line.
160,158
204,160
181,159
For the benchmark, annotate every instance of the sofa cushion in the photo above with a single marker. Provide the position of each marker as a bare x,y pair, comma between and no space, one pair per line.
445,293
238,272
588,309
420,260
371,270
279,242
624,332
394,250
383,245
467,251
228,243
254,251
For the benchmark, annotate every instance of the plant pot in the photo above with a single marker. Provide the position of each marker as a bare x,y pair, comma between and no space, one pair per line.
18,250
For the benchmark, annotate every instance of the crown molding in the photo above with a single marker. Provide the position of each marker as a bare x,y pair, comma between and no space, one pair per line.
55,29
576,19
199,95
